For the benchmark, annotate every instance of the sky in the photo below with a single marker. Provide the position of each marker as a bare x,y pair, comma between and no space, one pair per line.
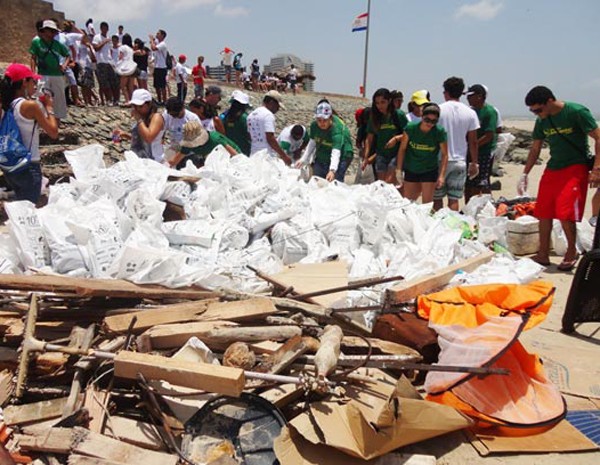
507,45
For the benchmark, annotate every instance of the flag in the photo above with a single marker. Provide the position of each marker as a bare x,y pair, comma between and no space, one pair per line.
360,22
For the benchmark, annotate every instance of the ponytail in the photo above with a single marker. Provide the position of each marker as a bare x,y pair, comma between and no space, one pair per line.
8,89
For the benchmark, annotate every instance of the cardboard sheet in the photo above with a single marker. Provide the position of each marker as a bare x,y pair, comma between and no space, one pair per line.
316,277
564,437
372,420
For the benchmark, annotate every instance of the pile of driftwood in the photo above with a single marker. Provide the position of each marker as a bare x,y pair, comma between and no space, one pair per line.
108,372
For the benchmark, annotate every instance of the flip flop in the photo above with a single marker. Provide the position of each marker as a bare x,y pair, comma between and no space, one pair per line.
539,262
567,265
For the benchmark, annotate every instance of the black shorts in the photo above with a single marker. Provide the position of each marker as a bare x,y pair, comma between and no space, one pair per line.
428,176
160,78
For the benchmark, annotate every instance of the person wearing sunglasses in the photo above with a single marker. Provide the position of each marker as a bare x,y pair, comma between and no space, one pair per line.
487,138
418,155
562,191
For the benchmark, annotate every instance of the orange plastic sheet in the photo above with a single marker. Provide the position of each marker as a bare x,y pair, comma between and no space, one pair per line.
478,326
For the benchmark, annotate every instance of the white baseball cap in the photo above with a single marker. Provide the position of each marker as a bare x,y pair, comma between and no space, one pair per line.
241,97
140,96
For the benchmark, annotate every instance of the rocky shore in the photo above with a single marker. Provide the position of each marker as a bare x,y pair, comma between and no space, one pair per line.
95,125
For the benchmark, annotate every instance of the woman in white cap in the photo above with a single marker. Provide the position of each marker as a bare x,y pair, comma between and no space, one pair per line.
17,88
418,155
147,133
235,120
330,145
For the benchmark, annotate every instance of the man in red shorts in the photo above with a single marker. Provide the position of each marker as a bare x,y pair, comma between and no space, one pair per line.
563,187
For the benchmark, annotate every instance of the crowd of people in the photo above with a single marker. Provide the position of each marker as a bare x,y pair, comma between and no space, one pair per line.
435,152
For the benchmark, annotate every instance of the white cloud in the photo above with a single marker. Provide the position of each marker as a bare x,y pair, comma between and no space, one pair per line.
124,10
221,10
483,10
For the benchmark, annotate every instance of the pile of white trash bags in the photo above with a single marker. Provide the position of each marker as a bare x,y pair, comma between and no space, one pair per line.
108,223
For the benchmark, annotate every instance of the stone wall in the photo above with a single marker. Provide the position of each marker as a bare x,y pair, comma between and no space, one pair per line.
17,26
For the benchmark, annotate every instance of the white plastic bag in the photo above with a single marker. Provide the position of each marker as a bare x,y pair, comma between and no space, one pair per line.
86,161
25,229
493,230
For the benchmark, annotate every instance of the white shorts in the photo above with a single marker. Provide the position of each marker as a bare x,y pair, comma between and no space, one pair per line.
57,85
70,76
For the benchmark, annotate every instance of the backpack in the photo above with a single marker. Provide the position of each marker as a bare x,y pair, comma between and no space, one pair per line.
14,156
169,60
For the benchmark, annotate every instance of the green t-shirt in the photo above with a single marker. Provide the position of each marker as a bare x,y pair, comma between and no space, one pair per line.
423,147
48,56
336,137
488,122
237,131
573,123
198,154
390,127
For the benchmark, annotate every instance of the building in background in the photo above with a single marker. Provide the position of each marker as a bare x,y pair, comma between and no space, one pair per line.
281,62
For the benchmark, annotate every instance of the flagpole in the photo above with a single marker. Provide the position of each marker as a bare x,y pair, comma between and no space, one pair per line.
364,86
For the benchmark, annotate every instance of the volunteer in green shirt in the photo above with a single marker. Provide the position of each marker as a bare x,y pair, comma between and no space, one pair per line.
422,141
51,58
563,187
486,140
330,145
384,129
235,121
198,143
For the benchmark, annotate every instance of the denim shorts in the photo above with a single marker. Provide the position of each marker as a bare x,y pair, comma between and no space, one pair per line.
454,187
27,183
383,164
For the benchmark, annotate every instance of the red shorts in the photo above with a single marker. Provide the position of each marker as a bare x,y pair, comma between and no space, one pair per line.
562,193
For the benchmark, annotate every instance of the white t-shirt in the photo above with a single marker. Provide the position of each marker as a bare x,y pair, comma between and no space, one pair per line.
83,56
261,121
227,58
103,53
412,117
181,73
457,119
174,126
286,136
160,55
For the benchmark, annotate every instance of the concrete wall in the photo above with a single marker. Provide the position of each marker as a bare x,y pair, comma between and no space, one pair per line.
17,26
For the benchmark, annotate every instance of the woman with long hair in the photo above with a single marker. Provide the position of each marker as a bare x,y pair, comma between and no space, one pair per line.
126,67
140,56
384,132
418,156
17,89
147,133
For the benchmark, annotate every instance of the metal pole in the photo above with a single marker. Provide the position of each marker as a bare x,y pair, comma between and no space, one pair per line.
364,92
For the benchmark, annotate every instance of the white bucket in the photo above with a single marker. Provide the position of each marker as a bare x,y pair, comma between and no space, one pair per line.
523,237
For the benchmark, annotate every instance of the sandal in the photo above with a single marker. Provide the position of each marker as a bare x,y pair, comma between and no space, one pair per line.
567,265
540,262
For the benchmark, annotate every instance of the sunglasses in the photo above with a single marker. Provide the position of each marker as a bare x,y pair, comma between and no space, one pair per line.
429,120
536,111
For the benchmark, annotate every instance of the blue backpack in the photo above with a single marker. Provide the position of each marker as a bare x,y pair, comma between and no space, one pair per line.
14,156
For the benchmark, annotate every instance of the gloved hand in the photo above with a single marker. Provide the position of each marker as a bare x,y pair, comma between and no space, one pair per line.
473,170
522,185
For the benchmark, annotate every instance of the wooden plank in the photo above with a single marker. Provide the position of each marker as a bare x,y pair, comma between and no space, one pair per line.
94,401
6,386
134,432
76,459
312,277
99,287
51,440
241,310
74,395
284,356
357,345
283,394
98,445
174,313
211,378
216,335
409,290
34,412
